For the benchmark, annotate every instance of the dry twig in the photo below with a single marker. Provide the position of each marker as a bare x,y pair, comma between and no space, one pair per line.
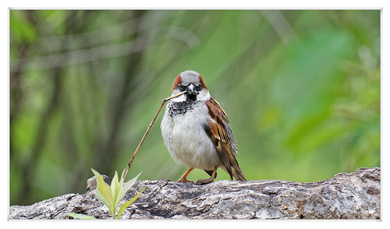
147,131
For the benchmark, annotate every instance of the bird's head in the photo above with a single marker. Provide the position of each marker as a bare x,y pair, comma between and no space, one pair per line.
191,82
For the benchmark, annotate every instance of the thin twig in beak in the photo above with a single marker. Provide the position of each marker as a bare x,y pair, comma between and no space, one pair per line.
150,126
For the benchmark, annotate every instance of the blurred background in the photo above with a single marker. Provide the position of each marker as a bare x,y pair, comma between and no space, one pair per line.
301,89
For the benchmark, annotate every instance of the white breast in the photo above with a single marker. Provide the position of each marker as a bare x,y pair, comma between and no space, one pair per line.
186,139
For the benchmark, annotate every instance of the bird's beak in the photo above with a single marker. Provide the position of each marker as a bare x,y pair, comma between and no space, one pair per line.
191,90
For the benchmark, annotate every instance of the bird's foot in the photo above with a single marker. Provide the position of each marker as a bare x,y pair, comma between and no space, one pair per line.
205,181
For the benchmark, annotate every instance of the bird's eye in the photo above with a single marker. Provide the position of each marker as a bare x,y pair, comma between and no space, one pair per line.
198,87
181,87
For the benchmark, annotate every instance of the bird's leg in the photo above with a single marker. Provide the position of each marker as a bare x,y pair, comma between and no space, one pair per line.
183,178
211,179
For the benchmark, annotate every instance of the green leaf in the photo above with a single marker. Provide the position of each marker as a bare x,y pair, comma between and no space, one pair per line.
103,191
21,27
102,199
127,186
80,216
127,204
122,178
110,196
115,189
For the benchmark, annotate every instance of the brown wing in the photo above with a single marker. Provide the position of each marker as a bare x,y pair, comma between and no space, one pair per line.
220,133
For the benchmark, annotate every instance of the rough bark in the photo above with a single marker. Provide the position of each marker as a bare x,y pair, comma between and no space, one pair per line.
345,196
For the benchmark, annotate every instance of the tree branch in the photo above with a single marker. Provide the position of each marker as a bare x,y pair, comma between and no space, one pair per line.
345,196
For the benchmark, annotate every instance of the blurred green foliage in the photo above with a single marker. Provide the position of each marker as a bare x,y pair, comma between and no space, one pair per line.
301,88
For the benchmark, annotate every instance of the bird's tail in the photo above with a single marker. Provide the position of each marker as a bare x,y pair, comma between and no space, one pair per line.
237,173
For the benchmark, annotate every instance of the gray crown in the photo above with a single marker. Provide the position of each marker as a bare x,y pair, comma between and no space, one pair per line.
189,76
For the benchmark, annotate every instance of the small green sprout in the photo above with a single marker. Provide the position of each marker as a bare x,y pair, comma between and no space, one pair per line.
110,196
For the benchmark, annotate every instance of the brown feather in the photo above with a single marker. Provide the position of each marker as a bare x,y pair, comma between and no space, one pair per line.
221,135
177,82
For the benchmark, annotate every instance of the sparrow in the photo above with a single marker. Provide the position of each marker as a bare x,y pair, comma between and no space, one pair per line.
196,130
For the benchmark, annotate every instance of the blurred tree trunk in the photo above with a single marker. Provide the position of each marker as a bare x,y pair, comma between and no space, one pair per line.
56,79
107,150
